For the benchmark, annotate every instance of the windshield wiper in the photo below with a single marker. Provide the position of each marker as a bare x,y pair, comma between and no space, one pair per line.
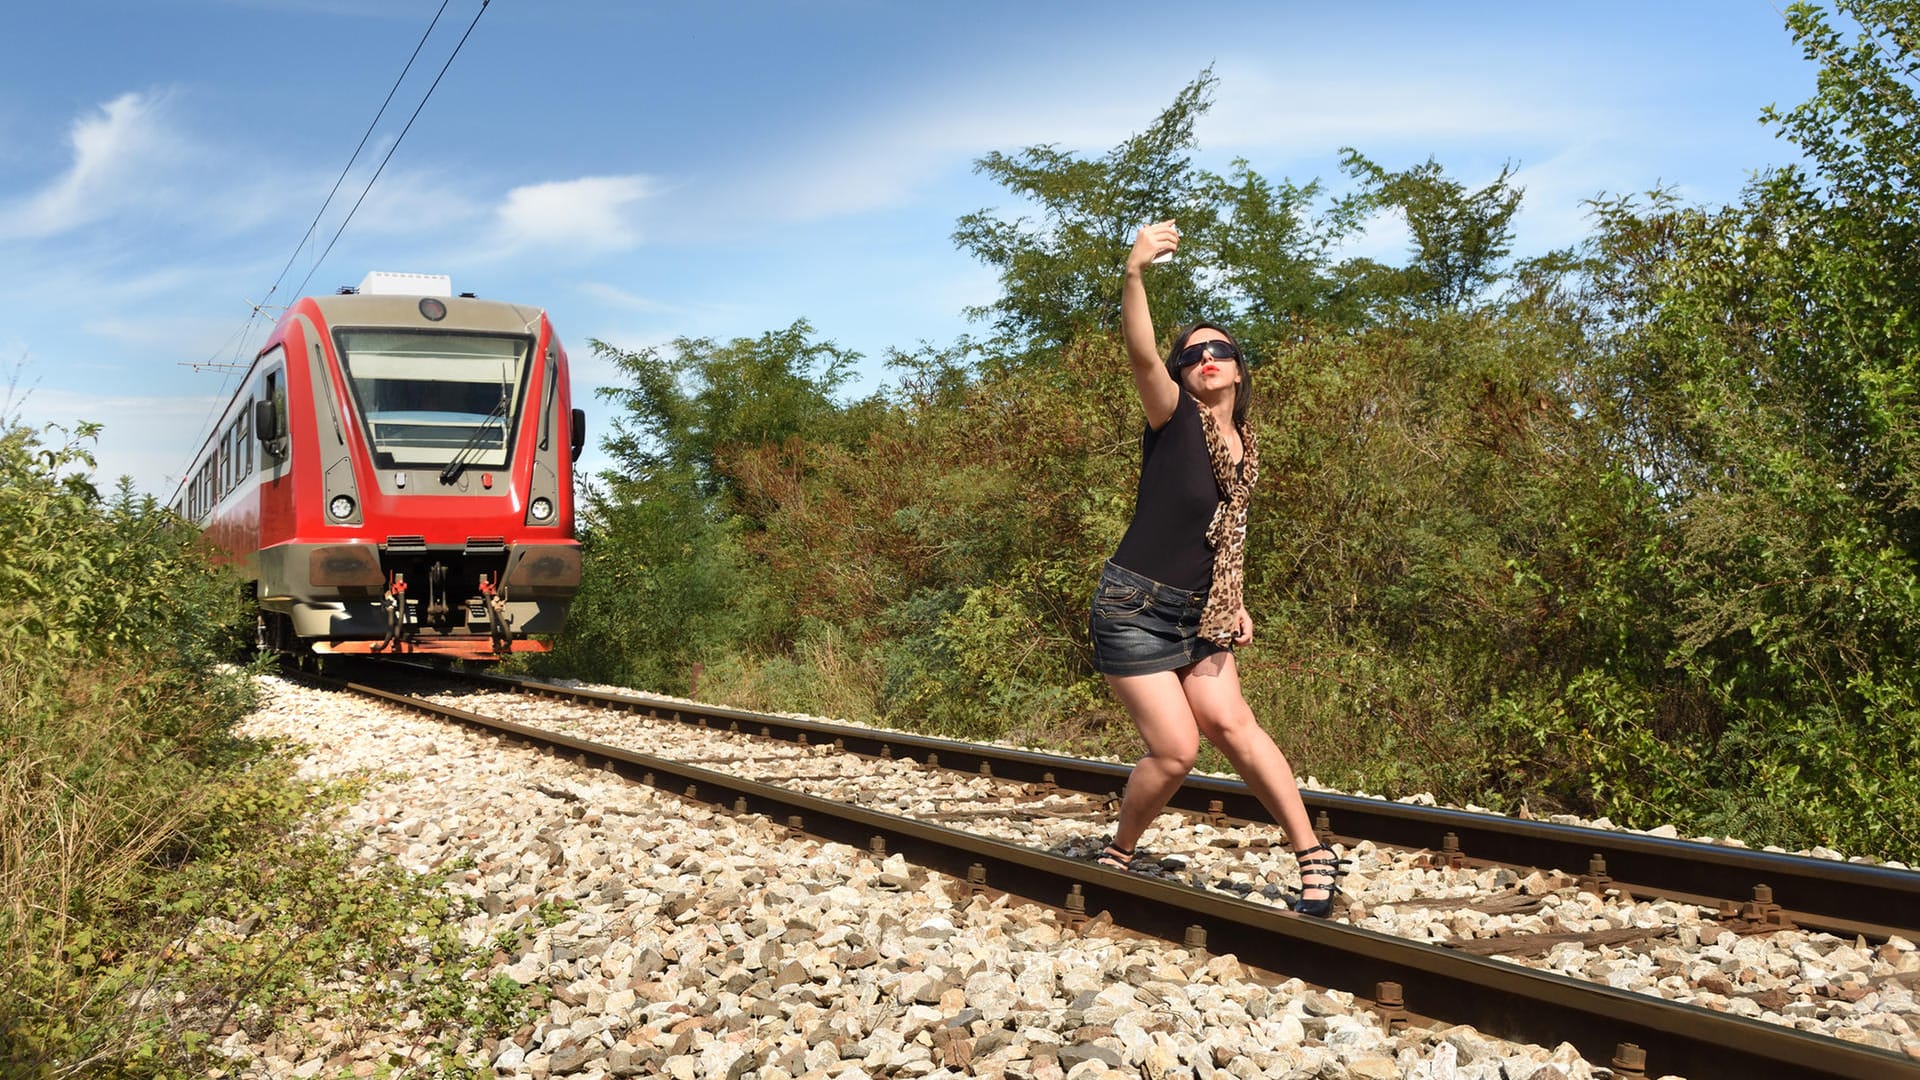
459,461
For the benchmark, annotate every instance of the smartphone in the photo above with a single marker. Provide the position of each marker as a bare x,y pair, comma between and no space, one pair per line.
1166,256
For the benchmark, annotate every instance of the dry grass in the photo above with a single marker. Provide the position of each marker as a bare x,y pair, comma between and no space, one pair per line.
87,806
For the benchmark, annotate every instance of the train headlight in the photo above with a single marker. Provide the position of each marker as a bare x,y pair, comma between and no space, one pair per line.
341,507
541,509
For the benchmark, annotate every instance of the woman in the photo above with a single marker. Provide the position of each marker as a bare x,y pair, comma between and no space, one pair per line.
1169,610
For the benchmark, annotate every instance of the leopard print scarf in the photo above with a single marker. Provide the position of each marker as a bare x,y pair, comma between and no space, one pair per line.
1227,534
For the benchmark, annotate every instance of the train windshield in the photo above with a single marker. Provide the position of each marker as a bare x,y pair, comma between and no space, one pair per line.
434,398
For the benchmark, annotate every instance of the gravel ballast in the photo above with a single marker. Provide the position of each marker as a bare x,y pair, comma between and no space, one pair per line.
688,943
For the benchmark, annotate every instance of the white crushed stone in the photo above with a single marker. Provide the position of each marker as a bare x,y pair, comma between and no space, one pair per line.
693,944
1810,981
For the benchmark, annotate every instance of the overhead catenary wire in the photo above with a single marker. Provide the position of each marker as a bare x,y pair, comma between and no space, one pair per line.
240,336
396,145
254,310
364,136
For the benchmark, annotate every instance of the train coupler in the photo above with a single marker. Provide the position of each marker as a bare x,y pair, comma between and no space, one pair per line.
394,604
499,621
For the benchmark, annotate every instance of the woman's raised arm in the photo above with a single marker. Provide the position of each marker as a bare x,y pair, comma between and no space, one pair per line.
1158,393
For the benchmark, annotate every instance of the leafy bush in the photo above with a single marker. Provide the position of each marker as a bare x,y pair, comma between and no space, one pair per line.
137,834
1631,529
112,722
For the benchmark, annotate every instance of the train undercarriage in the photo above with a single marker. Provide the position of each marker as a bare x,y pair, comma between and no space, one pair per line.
475,602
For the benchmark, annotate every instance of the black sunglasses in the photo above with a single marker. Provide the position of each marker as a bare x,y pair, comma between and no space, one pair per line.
1192,354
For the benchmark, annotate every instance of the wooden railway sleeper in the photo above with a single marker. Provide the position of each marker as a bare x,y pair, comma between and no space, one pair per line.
787,778
1511,902
1529,944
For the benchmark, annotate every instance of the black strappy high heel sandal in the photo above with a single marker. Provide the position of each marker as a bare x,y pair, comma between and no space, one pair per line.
1323,871
1115,857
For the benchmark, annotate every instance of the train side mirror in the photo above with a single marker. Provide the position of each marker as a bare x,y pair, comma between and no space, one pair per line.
266,423
579,439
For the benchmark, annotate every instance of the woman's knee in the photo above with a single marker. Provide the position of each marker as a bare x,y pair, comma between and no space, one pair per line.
1176,758
1232,728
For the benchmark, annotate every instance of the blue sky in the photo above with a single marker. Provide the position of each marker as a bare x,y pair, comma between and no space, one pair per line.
646,171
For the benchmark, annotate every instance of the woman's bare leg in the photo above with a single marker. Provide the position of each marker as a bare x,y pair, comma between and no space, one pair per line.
1160,710
1221,712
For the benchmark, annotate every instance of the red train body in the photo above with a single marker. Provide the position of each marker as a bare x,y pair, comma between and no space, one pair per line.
395,475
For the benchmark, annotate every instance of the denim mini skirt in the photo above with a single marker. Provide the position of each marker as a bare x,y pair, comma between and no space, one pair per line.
1141,626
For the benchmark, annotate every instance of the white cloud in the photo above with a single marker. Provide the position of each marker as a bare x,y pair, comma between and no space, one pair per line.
893,152
151,439
590,370
116,153
400,203
1318,112
593,213
615,297
194,337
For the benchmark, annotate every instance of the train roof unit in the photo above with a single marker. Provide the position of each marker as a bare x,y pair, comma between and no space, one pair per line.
398,283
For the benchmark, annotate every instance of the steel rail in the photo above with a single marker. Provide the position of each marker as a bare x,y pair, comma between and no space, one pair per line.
1843,897
1501,999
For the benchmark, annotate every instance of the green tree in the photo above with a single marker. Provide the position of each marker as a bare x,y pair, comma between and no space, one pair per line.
667,581
1274,256
1762,359
1060,276
1627,529
1461,238
683,407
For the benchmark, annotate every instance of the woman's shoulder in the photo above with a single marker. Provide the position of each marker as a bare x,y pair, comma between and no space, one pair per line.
1185,410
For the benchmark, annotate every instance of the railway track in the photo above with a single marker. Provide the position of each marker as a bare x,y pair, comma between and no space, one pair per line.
1010,821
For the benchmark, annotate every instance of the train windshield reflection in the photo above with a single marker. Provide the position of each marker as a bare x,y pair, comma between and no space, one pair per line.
428,398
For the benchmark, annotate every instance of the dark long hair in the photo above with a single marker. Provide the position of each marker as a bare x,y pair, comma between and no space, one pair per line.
1242,391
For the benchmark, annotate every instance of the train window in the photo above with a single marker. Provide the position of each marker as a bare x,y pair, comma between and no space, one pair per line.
274,451
435,398
233,454
242,438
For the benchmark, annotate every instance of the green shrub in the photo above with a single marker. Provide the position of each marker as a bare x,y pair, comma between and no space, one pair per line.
133,824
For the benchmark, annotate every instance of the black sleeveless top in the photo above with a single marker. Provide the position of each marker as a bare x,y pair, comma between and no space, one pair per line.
1167,539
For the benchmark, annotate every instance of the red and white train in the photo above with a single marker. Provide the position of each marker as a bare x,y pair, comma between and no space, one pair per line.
395,475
